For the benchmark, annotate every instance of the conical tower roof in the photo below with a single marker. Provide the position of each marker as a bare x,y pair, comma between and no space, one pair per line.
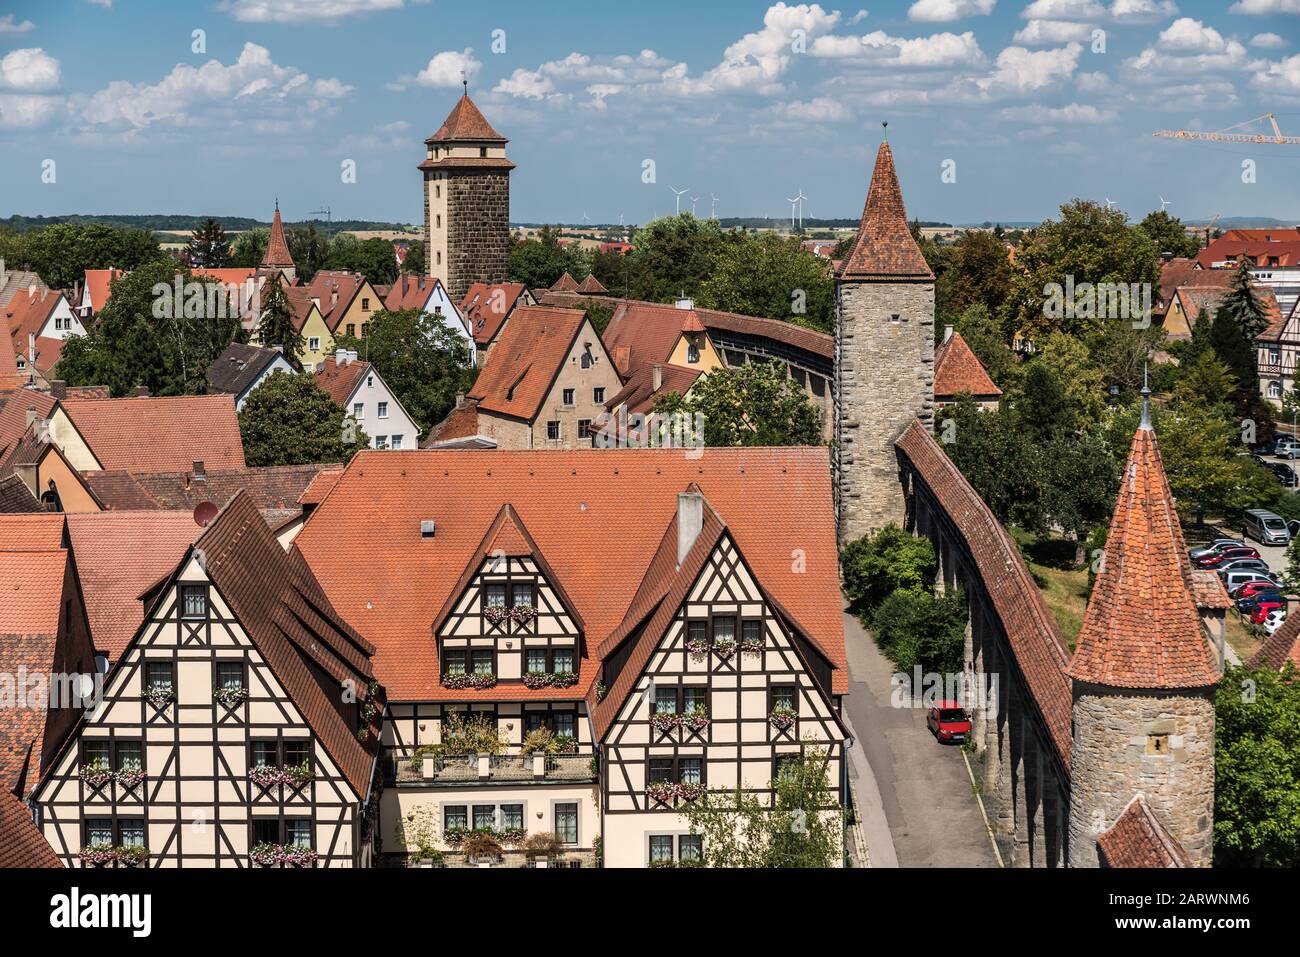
1142,628
884,248
465,122
277,249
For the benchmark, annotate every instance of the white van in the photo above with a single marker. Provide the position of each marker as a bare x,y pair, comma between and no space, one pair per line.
1266,527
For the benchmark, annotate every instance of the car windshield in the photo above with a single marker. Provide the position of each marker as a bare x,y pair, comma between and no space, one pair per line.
1274,523
952,714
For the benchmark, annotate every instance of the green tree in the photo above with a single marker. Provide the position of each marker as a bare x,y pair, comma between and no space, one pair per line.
803,828
421,360
373,258
248,249
1257,768
1043,409
208,246
287,420
919,628
1243,304
1207,381
146,336
276,327
983,334
309,249
673,255
1168,234
1228,341
755,404
414,263
771,276
874,566
537,262
60,254
978,273
1071,363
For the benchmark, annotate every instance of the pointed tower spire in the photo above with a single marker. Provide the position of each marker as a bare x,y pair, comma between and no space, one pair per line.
884,248
277,248
1142,628
1146,400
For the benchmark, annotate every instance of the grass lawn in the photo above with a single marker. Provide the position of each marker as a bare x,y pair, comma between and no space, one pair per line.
1064,588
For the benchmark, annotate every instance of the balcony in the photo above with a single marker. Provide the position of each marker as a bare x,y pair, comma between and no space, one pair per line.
467,769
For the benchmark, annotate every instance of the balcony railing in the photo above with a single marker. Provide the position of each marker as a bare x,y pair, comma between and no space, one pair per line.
403,768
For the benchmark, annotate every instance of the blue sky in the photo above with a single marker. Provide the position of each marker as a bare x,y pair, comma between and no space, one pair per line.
1034,102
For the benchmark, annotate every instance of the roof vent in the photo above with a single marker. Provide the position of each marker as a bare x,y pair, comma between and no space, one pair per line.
427,527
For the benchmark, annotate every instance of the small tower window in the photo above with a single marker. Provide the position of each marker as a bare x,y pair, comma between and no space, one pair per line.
1158,744
894,317
482,152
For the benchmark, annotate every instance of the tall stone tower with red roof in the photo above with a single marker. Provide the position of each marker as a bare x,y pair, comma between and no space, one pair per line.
466,201
1143,673
884,356
277,258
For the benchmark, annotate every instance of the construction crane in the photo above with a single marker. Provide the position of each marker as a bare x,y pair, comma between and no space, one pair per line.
1227,136
319,212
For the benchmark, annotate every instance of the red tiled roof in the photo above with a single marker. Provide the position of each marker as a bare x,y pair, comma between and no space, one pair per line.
639,392
16,497
1273,310
13,414
884,247
320,485
1142,629
48,353
1208,590
409,292
523,365
277,249
1138,839
591,285
119,555
465,122
1280,647
300,305
151,434
21,842
485,311
1184,272
1260,253
1035,638
340,381
32,533
565,283
27,314
957,369
9,377
227,276
323,287
99,283
272,487
597,515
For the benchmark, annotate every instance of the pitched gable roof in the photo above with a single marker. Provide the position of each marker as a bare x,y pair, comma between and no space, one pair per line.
21,842
639,392
485,311
9,376
957,369
99,285
1142,628
1139,839
340,381
16,497
14,281
155,433
272,487
465,122
27,314
238,367
14,406
301,305
592,286
323,287
565,283
524,363
277,249
884,247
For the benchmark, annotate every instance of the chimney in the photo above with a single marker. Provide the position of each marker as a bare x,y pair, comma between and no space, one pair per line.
341,357
31,415
31,350
947,333
460,400
657,376
142,391
200,474
334,297
685,302
1166,256
59,389
690,521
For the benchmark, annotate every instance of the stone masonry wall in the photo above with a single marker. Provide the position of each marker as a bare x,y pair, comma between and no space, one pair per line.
1110,764
885,378
478,229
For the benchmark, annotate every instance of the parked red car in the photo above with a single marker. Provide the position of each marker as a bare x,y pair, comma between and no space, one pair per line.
1261,611
948,721
1218,558
1250,589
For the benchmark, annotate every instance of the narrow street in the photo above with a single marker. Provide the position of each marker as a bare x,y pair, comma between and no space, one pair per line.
929,809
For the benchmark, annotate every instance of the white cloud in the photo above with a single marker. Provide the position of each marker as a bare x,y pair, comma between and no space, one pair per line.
28,111
29,70
529,84
1021,71
756,61
7,25
937,50
253,87
857,18
296,11
821,109
1268,41
1189,46
106,4
1076,113
1192,36
1063,10
1142,11
1265,8
445,69
1092,82
1282,78
945,11
1039,33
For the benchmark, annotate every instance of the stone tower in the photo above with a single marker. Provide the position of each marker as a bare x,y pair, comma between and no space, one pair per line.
1143,675
466,201
884,356
277,258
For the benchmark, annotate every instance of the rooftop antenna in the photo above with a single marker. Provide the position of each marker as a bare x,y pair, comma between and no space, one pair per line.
885,135
1146,400
680,193
1163,203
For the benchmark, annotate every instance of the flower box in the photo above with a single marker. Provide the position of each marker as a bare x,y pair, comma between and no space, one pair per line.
496,614
751,646
160,697
97,774
512,836
564,679
670,792
471,680
665,721
523,614
98,855
132,855
265,775
697,648
282,855
782,717
724,648
697,719
538,679
231,697
601,690
130,777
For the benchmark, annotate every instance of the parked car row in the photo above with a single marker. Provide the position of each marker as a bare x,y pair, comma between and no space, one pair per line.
1249,581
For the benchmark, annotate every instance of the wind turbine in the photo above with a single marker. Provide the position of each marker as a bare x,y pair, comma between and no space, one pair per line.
800,198
713,209
694,200
793,201
1109,204
1163,203
680,193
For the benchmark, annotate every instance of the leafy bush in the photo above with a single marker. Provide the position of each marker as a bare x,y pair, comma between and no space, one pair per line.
874,566
914,627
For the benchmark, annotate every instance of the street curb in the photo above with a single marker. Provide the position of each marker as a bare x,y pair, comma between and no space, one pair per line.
979,799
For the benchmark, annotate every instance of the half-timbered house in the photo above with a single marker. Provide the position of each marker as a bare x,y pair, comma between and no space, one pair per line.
239,726
573,642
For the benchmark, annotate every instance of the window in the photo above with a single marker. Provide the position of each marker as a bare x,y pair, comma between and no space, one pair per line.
694,697
724,628
95,753
266,830
194,601
365,326
370,380
692,353
522,595
661,770
690,847
690,770
128,755
454,816
130,832
313,344
352,328
383,410
358,410
566,823
562,659
566,723
584,430
661,848
482,661
665,700
1274,389
381,441
295,752
512,815
494,595
265,754
293,831
230,675
485,816
585,361
570,396
297,832
751,630
598,395
365,304
158,676
782,696
453,661
395,442
536,660
782,762
482,152
553,430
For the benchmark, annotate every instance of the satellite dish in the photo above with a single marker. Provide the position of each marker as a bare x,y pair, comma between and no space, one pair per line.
204,513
